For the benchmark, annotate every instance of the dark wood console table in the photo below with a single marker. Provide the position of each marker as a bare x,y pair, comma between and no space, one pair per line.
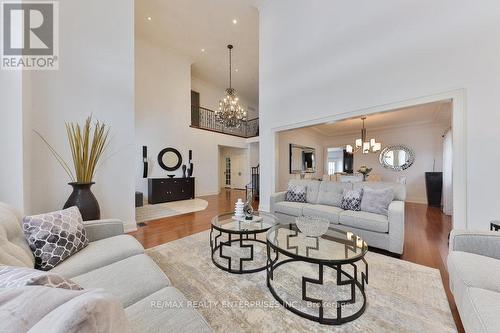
170,189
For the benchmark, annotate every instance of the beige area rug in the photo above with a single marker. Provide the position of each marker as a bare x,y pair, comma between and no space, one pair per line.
402,296
158,211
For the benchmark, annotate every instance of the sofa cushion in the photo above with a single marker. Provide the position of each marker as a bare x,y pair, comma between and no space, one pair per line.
312,188
399,189
12,276
364,220
330,193
130,279
98,254
465,266
167,310
290,208
14,249
54,237
479,311
330,213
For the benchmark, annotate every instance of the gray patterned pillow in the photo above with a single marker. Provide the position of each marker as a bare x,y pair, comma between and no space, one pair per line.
377,200
11,276
351,200
55,236
295,193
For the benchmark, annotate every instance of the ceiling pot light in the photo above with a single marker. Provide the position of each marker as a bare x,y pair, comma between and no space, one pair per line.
202,50
149,18
235,21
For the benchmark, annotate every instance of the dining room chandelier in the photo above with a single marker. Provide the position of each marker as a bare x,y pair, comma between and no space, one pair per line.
371,146
230,113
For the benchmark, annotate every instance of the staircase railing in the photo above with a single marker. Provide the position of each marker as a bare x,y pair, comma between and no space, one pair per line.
253,186
204,118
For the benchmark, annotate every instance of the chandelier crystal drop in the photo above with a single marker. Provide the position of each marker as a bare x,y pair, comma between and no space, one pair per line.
230,113
363,144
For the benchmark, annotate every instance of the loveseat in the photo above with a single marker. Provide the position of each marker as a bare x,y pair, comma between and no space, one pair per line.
323,199
116,263
474,273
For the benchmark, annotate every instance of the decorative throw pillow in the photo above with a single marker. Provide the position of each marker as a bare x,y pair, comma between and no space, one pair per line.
377,200
12,276
55,236
351,200
296,193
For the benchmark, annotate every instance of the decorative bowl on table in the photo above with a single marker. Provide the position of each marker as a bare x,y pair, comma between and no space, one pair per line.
312,226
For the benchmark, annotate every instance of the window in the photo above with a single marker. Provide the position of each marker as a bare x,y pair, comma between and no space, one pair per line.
331,168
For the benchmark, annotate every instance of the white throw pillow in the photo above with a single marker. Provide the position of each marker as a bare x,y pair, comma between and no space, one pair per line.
43,309
12,276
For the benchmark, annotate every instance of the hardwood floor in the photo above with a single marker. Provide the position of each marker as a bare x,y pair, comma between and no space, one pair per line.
426,234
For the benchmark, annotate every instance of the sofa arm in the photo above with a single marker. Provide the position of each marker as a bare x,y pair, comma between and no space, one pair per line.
100,229
275,198
484,243
396,218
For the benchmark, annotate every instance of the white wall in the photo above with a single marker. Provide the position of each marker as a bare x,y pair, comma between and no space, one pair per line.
253,151
163,117
302,137
425,140
95,76
211,94
11,140
330,57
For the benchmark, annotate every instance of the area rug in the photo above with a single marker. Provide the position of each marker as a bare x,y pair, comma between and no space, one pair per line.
401,296
158,211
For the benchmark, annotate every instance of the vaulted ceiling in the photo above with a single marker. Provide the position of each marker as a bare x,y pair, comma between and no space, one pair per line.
188,26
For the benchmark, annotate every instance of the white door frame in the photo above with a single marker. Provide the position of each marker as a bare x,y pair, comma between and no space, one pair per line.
459,118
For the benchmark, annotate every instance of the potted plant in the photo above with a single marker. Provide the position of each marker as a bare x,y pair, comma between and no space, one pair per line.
365,171
87,145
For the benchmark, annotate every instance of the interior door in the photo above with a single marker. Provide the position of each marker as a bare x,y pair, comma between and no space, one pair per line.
239,175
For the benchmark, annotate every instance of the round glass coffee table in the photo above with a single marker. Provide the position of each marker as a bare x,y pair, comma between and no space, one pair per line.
318,278
240,246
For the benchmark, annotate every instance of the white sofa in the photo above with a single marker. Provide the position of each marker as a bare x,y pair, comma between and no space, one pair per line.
323,200
117,263
474,271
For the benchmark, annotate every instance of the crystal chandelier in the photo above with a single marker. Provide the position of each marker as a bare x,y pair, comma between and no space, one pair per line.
362,144
230,113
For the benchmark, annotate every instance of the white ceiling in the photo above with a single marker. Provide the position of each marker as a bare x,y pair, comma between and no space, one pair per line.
438,112
187,26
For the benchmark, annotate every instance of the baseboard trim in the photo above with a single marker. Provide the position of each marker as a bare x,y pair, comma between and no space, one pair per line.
417,201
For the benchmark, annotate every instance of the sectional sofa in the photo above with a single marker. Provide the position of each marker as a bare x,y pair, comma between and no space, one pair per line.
323,200
474,270
117,263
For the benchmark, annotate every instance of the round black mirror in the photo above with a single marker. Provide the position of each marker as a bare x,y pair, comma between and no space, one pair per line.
170,159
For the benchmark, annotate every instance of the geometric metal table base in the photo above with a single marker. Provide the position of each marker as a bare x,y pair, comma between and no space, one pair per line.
244,240
356,281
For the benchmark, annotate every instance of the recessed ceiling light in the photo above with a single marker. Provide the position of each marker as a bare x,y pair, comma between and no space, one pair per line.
202,50
149,18
236,70
235,21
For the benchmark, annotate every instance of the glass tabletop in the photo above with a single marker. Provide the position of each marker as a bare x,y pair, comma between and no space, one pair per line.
335,246
226,222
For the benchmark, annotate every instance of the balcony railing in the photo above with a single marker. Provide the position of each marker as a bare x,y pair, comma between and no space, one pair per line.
203,118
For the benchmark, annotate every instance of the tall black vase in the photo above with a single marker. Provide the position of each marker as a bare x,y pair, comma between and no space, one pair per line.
83,198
